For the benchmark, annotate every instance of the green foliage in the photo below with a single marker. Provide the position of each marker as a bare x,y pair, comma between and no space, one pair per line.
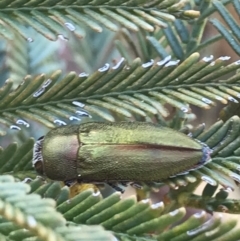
155,72
49,17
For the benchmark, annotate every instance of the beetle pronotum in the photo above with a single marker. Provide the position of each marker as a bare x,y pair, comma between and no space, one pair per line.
117,152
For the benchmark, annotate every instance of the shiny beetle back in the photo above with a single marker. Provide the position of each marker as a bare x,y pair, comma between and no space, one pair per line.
115,152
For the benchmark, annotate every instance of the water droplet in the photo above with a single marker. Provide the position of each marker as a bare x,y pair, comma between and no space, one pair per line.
200,214
31,221
208,59
30,40
145,200
70,26
157,205
83,74
172,63
209,180
230,98
13,127
39,92
22,122
225,57
79,175
229,189
79,104
71,118
27,180
104,68
184,109
95,194
82,113
164,61
207,101
235,177
237,62
62,37
148,64
174,213
47,83
118,64
59,122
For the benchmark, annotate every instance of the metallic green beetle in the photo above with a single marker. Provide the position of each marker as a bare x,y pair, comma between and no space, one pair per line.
117,152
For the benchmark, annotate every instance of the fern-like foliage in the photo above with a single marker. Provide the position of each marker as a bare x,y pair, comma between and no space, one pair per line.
159,79
126,219
27,215
181,38
49,17
140,89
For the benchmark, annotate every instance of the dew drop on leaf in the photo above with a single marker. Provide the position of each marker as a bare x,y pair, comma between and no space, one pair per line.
148,64
22,122
230,98
59,122
172,63
209,180
31,221
71,118
157,205
82,113
30,40
207,101
225,57
174,213
47,83
235,177
39,92
184,109
79,104
237,62
228,189
83,74
104,68
14,127
70,26
208,59
118,64
62,37
164,61
200,214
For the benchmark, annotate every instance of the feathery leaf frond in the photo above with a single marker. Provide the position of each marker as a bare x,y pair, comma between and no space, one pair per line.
139,89
131,219
27,215
49,17
232,35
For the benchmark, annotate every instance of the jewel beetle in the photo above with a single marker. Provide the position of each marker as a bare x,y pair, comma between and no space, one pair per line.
98,152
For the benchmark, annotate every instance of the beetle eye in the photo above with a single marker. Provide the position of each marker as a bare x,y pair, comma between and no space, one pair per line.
37,160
